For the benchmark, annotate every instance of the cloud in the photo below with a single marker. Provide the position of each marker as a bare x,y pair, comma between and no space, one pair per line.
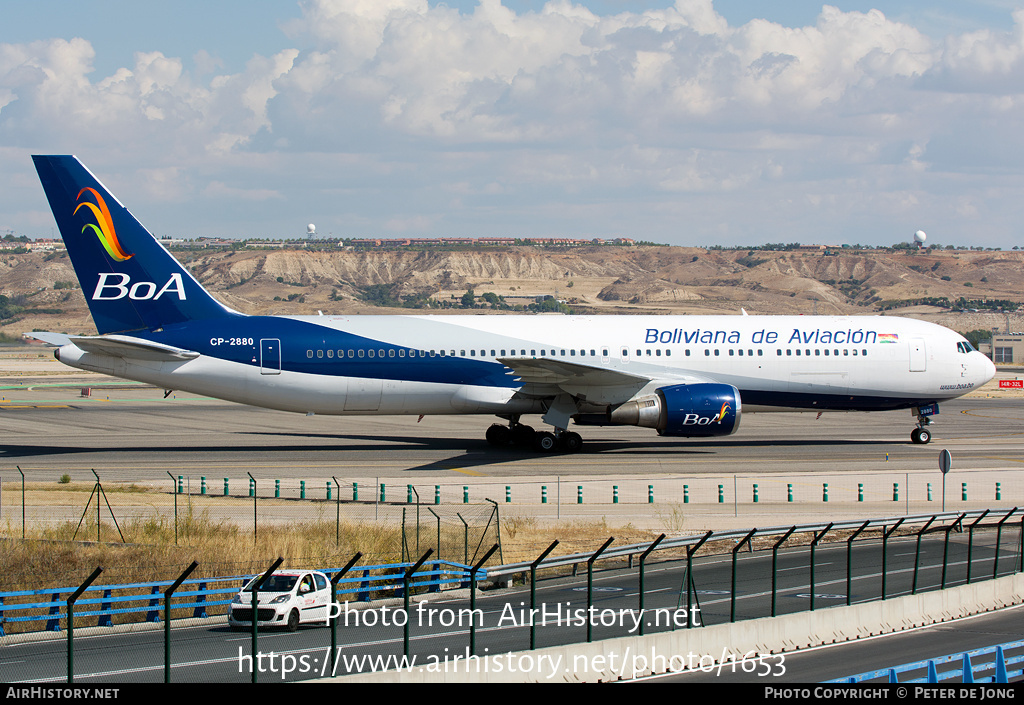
552,110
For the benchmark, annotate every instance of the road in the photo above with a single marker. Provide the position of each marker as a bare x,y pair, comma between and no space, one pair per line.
439,629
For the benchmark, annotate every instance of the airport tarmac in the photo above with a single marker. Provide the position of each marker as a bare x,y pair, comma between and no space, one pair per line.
54,424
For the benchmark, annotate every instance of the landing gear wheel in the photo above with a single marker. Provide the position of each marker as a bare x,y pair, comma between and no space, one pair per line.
572,442
545,442
498,435
522,435
920,435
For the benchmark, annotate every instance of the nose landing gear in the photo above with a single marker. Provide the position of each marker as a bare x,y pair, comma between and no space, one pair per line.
921,434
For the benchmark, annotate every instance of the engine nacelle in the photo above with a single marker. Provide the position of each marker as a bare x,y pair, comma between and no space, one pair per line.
692,410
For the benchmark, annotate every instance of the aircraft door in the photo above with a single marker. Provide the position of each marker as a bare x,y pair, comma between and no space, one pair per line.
918,355
270,356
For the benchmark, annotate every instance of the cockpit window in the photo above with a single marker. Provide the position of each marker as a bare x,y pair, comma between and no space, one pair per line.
964,347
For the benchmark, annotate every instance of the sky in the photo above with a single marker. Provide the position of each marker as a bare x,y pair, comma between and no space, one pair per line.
688,122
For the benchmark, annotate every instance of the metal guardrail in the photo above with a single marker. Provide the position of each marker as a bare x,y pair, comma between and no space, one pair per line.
958,518
198,596
1001,664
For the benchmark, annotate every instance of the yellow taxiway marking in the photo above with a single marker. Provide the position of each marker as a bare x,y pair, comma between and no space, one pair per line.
471,473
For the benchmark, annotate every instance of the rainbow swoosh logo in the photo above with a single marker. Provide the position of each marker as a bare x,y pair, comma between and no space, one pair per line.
104,226
722,413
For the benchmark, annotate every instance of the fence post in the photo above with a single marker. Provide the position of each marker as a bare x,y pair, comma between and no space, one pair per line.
970,542
167,619
590,586
615,494
789,492
686,494
735,550
917,555
721,494
255,616
650,494
755,493
533,592
334,600
71,621
407,585
690,551
814,545
885,552
999,536
472,599
543,494
775,555
849,562
643,559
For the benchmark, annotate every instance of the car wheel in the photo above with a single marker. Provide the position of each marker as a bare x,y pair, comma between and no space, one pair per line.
293,620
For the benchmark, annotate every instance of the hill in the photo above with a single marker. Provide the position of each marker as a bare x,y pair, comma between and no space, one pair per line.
942,286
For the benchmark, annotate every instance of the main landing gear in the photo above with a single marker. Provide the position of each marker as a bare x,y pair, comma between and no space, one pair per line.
921,434
543,441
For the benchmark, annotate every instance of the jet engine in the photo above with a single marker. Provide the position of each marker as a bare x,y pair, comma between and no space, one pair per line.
692,410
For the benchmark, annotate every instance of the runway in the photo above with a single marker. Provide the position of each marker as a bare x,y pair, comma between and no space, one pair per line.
133,434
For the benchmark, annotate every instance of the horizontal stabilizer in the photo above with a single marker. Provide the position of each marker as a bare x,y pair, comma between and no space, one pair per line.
57,339
130,348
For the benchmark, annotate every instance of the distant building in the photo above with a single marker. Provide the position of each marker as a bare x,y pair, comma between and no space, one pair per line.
1004,348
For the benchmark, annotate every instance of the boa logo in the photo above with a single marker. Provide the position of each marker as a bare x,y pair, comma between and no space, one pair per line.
698,420
104,226
107,290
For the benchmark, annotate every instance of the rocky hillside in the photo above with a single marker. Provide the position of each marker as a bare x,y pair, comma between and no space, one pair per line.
592,280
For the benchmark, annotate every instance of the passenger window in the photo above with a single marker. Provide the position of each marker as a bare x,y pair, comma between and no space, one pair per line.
370,353
330,353
361,353
309,354
462,353
391,353
319,353
352,353
716,352
572,353
401,353
657,353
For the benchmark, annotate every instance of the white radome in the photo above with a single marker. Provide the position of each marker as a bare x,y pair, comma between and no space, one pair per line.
920,236
311,229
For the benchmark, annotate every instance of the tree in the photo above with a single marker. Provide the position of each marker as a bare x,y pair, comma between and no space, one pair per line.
468,299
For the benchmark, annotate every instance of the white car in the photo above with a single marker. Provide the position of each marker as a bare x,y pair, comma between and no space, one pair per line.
288,598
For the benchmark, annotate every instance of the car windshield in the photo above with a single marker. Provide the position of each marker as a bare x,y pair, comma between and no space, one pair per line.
275,583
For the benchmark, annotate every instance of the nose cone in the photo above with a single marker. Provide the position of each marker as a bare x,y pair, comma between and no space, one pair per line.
985,369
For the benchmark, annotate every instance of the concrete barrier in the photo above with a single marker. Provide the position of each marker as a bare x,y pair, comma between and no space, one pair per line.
630,657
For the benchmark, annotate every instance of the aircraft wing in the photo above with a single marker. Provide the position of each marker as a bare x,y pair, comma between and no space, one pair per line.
546,376
128,347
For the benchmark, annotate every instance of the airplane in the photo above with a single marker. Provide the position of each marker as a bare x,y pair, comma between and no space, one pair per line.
685,376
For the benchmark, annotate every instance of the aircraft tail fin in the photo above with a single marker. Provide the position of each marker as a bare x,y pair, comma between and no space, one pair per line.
129,280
